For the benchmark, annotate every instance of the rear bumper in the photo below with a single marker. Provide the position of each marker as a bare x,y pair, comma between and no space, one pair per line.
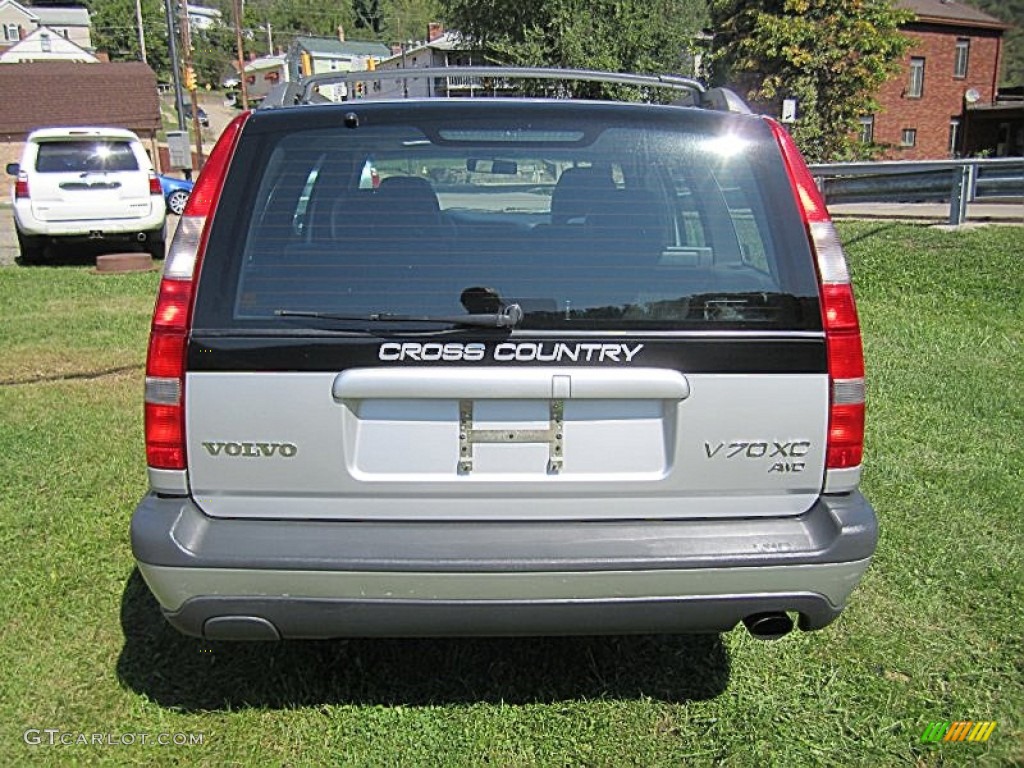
86,228
264,579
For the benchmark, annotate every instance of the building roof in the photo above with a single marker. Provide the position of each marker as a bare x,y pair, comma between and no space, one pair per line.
41,94
951,12
449,41
62,17
332,46
18,7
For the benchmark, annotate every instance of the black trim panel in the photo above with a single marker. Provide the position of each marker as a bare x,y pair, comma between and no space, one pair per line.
274,354
268,618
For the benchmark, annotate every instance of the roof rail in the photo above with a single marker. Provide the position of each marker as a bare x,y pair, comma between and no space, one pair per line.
304,91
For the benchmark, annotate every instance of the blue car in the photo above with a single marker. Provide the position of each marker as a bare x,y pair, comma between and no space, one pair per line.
176,192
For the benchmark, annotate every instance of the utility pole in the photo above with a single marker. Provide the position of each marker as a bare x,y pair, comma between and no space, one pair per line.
142,33
172,50
190,80
270,41
236,12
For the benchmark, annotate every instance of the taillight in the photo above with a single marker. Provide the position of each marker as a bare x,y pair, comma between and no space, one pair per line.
154,185
845,447
172,316
21,186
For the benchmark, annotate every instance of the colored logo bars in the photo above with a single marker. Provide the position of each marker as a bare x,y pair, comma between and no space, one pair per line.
961,730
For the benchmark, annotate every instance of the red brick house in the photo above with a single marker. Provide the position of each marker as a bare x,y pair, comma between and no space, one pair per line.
951,70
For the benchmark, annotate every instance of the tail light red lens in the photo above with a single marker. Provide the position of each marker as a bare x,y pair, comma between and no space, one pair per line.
172,316
165,376
845,445
165,437
845,436
21,186
154,185
172,305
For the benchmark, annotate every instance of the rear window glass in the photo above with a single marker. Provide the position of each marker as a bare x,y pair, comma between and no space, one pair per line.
85,156
622,226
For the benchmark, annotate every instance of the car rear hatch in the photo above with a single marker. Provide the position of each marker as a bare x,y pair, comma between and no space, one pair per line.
87,178
646,337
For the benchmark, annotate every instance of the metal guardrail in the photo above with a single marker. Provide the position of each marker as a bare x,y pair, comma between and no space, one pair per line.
959,181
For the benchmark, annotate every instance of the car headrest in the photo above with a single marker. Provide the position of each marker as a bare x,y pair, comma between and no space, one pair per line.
580,191
409,195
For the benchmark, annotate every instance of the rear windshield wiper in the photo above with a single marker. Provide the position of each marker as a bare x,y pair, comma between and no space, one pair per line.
508,317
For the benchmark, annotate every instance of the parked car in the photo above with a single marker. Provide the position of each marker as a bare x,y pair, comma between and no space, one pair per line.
571,367
176,192
91,185
204,119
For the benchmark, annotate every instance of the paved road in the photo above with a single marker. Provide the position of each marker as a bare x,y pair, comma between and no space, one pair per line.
938,213
219,113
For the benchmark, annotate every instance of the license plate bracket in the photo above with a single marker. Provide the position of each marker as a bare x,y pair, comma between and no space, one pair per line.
553,436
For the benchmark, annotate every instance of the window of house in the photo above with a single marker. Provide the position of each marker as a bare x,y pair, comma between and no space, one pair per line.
908,137
272,77
954,136
11,33
963,52
44,42
915,88
1003,142
867,129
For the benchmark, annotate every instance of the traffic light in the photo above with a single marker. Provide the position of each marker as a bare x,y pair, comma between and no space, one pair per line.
190,79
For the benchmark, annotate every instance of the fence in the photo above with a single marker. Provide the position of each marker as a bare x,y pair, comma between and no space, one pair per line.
959,181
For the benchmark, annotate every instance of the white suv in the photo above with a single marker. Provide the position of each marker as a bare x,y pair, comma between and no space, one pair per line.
86,184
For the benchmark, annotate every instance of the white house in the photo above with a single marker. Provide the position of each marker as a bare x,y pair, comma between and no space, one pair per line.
70,22
16,21
443,49
45,44
264,73
200,17
317,55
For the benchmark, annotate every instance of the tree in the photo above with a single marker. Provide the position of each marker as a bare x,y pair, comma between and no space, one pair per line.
115,31
403,20
289,18
830,55
655,36
213,51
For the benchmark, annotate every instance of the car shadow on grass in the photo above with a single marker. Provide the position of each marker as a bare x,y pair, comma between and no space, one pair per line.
190,674
83,254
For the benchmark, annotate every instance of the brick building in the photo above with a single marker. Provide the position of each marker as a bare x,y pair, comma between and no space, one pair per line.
951,70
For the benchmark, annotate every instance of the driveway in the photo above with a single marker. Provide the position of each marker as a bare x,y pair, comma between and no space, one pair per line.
9,241
220,115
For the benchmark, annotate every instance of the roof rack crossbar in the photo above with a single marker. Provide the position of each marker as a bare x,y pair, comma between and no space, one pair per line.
673,82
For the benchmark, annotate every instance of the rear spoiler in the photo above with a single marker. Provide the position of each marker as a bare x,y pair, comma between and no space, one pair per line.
499,79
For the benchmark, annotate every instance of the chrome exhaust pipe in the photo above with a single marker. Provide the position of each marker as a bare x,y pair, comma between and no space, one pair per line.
141,237
768,626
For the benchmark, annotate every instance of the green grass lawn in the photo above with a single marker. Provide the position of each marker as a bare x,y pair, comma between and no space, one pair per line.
933,633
